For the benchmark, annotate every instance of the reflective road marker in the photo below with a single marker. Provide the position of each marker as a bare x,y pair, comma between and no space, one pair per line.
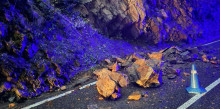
196,97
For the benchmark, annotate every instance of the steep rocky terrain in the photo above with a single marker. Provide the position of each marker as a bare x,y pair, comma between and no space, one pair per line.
44,43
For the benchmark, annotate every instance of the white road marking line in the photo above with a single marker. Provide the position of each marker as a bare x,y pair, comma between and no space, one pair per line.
211,43
196,97
58,96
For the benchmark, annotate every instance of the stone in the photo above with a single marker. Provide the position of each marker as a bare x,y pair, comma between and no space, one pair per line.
107,82
204,58
155,55
11,105
171,76
116,95
105,86
63,88
147,76
135,96
136,56
114,67
132,73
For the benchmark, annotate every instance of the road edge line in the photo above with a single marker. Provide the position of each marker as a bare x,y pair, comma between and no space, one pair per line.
196,97
58,96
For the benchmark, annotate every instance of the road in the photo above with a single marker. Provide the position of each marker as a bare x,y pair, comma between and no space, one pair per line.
170,95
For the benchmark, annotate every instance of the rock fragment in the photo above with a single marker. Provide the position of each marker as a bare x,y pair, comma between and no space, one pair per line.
107,82
135,96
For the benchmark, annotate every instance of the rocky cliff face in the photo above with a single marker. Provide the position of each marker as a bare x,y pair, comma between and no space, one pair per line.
151,20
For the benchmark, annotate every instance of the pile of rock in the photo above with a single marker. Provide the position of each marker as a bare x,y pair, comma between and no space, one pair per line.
132,69
146,71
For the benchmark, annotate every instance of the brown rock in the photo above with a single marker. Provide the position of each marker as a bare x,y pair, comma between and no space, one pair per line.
155,55
119,78
115,95
213,62
105,86
135,96
114,67
120,60
107,82
63,88
11,105
204,58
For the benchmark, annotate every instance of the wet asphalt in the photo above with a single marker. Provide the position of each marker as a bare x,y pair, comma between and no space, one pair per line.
170,95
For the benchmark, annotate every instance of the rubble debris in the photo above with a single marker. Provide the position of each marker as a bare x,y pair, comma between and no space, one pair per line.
107,82
63,88
186,74
114,67
101,98
135,96
116,95
155,55
144,94
204,58
11,105
213,62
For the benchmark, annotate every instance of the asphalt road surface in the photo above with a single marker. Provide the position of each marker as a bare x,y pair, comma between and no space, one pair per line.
170,95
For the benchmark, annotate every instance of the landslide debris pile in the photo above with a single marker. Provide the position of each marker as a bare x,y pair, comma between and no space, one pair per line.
145,71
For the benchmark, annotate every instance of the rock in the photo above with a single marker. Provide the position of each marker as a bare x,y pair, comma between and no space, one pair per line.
144,94
172,71
63,88
148,77
136,56
105,86
134,96
171,76
116,95
132,73
114,67
107,82
120,60
11,105
155,55
119,78
108,61
186,74
213,62
204,58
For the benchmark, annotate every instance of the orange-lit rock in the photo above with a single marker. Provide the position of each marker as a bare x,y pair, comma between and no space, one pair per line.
140,62
147,76
120,60
134,96
107,82
155,55
204,58
115,95
114,67
105,86
11,105
136,56
119,78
